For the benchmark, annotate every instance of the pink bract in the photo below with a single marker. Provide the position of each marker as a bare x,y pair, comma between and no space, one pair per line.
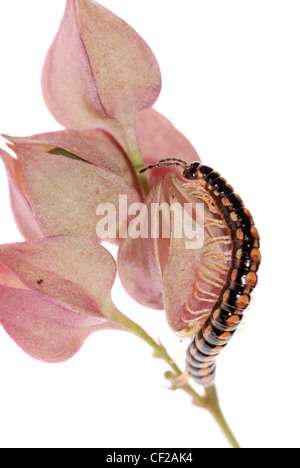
55,293
100,81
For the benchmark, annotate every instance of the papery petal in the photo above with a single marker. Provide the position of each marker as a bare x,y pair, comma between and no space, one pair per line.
7,278
76,272
159,139
186,270
179,277
70,283
64,193
68,85
97,68
93,146
44,329
139,260
22,212
126,72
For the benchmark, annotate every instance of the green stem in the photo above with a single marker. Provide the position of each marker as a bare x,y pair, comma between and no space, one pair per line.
208,401
212,399
160,351
138,163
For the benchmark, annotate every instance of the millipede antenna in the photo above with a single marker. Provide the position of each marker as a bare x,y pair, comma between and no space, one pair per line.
166,162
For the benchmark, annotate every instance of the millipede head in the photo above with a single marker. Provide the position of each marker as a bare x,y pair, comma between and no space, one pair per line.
166,162
191,170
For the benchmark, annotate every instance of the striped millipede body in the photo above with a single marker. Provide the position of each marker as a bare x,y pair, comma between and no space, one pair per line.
227,312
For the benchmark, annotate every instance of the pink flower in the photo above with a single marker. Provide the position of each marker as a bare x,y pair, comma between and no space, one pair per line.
100,81
60,178
99,73
163,273
55,292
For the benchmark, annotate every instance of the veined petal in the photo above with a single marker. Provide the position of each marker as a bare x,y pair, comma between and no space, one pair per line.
139,260
21,209
99,69
75,272
179,277
44,329
193,277
7,278
159,139
64,193
68,85
126,73
93,146
69,283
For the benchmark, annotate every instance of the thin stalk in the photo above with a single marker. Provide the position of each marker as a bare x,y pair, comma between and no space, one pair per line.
208,401
137,161
212,399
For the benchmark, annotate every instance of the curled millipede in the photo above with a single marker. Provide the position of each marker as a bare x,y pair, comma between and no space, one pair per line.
227,312
220,322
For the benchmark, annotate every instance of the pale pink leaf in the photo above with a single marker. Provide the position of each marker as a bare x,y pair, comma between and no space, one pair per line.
21,209
139,259
69,283
159,139
76,272
188,272
43,328
7,278
64,194
99,72
68,85
93,146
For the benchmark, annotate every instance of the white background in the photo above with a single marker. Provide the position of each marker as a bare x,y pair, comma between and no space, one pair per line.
231,84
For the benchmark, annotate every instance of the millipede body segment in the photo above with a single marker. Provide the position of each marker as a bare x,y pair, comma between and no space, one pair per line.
227,312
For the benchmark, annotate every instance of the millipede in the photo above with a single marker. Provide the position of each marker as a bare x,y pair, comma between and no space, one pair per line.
218,322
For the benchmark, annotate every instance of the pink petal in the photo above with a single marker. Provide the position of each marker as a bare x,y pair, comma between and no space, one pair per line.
70,283
44,329
76,272
99,68
179,283
93,146
159,139
7,278
139,263
181,272
65,193
126,72
68,84
22,212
